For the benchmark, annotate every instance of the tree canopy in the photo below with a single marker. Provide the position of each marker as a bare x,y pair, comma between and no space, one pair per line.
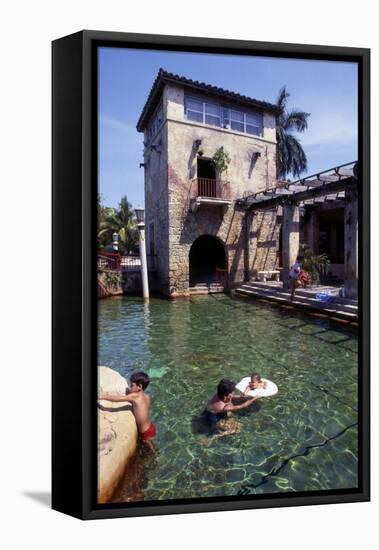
119,220
291,158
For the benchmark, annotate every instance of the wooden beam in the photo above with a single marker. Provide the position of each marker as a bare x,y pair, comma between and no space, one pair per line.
329,188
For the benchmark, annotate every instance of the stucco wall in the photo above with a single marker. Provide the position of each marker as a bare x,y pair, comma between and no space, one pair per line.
263,231
156,204
169,193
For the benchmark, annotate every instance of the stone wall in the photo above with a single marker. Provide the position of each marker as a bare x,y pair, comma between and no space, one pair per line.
109,283
168,196
116,283
156,205
263,233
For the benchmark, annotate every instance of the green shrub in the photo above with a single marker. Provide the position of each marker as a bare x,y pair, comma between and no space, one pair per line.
315,265
221,160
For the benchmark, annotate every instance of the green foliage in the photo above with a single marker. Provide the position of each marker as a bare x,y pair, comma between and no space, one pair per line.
119,220
221,160
112,280
291,158
315,265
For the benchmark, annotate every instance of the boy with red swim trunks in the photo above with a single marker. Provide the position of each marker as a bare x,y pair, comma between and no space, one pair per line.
140,403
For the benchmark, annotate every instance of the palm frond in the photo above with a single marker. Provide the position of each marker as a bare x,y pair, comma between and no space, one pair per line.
282,98
296,120
296,156
290,156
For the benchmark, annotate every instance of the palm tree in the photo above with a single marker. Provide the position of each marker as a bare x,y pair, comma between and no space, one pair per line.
315,265
102,214
291,158
121,221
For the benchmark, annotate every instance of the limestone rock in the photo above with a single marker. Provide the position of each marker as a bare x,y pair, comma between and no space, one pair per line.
111,381
117,434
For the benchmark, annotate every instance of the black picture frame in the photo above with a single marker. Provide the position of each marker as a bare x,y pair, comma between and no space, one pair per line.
74,332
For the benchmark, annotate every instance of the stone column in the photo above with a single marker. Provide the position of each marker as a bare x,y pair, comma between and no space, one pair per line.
251,244
313,232
351,243
290,239
333,239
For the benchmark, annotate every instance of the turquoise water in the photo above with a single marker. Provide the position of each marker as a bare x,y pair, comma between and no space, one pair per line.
302,439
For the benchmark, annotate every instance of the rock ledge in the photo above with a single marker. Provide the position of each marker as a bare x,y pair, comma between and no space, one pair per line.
117,434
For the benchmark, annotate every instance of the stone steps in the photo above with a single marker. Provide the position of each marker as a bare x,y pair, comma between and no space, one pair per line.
206,289
343,309
308,292
303,296
310,296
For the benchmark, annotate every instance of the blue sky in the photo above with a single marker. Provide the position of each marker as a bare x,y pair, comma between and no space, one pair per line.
326,89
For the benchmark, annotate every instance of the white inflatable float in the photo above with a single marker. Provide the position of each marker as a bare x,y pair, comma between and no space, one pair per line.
270,389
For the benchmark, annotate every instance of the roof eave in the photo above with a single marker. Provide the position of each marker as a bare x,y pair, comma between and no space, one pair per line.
167,78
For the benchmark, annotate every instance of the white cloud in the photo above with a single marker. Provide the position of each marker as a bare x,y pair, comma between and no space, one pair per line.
119,140
115,124
117,132
330,129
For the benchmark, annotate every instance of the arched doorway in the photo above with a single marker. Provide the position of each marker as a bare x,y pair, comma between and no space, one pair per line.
207,253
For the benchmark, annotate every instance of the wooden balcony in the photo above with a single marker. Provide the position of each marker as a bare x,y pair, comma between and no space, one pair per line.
210,192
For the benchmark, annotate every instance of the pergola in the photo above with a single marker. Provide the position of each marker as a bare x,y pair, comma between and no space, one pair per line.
339,183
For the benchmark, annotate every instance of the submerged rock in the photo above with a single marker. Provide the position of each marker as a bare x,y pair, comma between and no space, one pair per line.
117,434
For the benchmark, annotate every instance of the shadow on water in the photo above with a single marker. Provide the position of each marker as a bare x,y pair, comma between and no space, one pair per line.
200,425
254,408
137,474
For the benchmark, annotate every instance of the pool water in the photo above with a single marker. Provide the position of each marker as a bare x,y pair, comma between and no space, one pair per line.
302,439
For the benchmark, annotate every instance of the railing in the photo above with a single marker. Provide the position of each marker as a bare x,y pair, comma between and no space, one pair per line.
208,187
109,261
131,262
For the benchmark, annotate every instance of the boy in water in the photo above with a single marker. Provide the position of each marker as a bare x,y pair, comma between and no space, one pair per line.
255,383
219,408
294,275
222,403
140,402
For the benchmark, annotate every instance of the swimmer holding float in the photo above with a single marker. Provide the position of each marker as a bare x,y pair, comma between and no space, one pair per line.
252,387
220,407
222,403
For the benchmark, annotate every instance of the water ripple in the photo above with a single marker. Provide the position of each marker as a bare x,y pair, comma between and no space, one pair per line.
304,438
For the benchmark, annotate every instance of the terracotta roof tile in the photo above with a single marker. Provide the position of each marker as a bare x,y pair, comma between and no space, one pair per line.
164,77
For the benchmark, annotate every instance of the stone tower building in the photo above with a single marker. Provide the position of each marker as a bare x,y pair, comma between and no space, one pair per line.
195,227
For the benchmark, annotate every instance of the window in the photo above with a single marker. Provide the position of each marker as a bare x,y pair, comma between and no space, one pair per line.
237,121
194,110
214,114
226,118
254,124
203,112
156,123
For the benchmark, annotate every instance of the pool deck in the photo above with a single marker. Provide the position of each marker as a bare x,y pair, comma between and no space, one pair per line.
305,299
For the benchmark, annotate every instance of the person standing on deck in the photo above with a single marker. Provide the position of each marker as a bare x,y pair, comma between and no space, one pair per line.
294,275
